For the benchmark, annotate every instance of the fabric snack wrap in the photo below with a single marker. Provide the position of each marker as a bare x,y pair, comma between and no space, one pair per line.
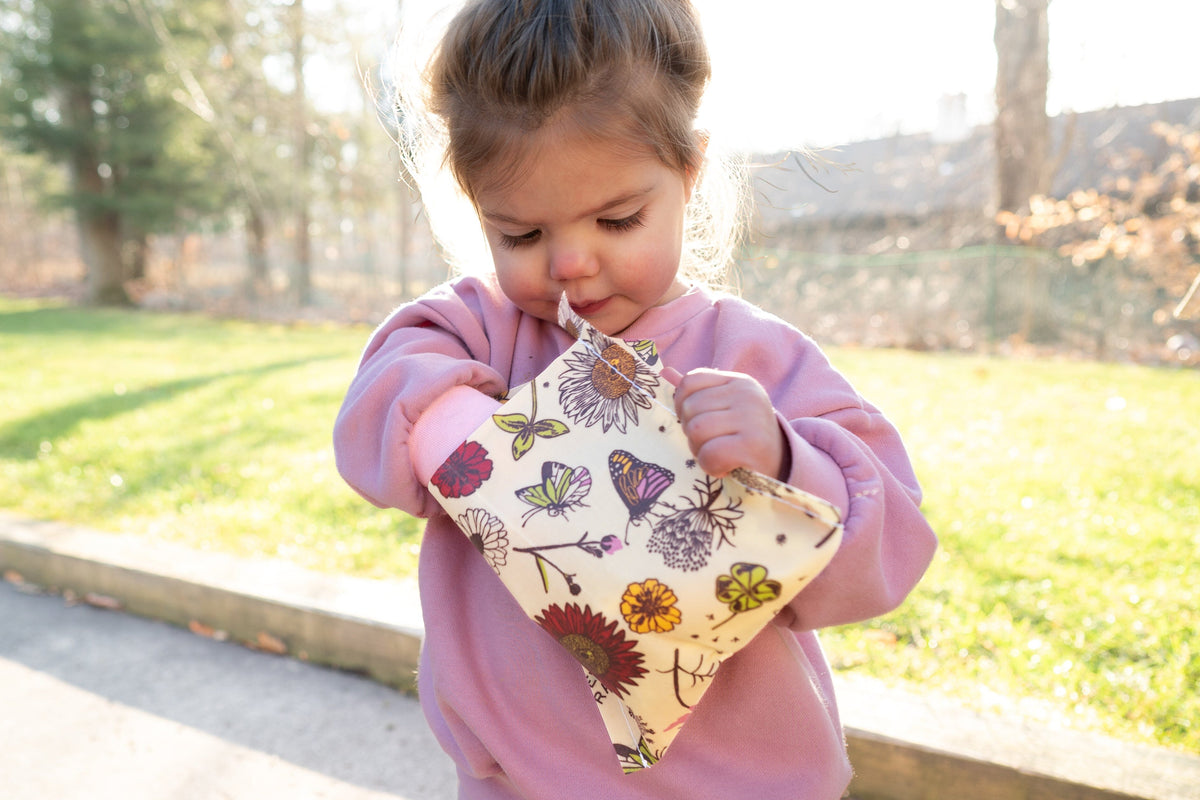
583,496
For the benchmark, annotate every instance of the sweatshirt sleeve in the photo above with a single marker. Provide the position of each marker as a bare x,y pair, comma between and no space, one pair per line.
844,450
886,542
444,425
425,350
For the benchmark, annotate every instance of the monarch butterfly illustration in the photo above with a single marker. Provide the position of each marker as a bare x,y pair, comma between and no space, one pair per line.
638,483
562,489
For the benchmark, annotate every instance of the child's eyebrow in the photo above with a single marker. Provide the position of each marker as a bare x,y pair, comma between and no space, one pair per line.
608,205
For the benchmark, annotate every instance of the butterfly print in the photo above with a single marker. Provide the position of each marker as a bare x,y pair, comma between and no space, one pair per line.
634,760
638,483
562,489
646,349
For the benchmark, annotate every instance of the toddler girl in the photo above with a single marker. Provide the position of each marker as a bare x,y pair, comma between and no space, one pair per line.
570,127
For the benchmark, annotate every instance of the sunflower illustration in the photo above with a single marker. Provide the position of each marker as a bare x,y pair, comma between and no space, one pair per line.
606,384
464,471
596,643
649,607
487,533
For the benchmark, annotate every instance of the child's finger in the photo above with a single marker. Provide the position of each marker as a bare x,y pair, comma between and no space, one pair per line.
698,380
672,375
712,390
705,378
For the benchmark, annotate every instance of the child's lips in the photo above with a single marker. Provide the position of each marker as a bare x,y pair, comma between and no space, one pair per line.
588,308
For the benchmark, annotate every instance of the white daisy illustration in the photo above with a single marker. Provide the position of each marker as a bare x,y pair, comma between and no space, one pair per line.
605,384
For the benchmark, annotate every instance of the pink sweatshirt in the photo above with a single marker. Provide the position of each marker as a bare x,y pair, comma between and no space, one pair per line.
505,700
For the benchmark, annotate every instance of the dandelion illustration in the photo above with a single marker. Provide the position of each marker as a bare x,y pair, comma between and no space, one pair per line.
684,537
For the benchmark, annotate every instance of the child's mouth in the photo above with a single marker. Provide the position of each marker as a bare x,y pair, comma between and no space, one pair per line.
589,308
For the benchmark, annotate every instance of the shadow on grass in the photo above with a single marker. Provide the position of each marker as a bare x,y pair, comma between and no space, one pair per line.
21,438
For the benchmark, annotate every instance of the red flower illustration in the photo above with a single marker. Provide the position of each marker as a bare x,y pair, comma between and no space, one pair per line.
464,471
596,643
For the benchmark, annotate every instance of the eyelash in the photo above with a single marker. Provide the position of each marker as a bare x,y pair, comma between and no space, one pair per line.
524,240
635,220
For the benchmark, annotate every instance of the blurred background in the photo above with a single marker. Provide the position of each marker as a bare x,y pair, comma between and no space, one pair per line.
234,156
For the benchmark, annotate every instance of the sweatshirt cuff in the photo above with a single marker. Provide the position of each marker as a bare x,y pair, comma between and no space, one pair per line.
446,424
815,471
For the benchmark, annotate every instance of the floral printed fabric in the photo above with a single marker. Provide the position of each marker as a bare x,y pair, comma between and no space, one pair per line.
582,495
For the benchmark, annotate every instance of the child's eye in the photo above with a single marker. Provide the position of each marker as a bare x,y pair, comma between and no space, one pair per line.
510,242
634,220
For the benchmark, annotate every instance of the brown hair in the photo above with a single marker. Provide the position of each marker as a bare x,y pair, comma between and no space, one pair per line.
627,71
632,70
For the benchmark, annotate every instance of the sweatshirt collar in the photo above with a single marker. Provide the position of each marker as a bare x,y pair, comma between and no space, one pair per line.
656,321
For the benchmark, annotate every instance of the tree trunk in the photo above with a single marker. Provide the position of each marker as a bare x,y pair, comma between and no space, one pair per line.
100,233
258,278
302,275
137,256
99,224
1022,129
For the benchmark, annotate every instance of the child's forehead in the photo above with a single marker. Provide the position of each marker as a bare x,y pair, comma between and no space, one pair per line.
568,148
570,180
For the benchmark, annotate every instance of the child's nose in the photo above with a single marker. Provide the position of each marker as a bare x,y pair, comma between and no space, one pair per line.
568,262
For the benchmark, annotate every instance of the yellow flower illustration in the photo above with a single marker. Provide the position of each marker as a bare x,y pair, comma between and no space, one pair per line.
649,607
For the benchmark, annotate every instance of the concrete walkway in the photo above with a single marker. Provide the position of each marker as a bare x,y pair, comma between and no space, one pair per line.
100,704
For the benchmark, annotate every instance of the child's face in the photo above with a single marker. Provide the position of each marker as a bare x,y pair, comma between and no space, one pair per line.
590,219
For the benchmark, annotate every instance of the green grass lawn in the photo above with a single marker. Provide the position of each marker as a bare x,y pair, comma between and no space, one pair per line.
211,433
1067,499
1066,495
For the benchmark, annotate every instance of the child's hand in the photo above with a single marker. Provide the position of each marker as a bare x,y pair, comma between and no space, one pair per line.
729,422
